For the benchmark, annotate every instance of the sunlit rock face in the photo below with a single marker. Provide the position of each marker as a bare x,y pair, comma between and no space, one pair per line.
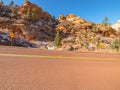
116,25
40,14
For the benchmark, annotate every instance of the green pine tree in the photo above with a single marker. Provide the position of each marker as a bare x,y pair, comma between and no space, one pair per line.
29,14
94,28
11,3
57,39
14,12
33,13
115,44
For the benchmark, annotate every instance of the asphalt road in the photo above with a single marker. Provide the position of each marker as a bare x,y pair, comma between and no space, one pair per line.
25,69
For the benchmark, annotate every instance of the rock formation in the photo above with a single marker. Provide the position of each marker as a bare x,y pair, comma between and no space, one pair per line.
40,29
72,24
116,25
78,33
39,13
30,23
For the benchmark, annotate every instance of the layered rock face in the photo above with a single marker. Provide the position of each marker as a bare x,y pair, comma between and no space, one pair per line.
72,25
41,29
37,31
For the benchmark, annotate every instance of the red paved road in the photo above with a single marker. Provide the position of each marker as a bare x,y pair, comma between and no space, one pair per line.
23,73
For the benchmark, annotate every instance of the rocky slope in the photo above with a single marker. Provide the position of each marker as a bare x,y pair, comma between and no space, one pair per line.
78,33
32,27
15,19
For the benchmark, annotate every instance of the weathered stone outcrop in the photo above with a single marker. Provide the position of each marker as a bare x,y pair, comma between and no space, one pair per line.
27,30
78,33
72,24
39,13
105,30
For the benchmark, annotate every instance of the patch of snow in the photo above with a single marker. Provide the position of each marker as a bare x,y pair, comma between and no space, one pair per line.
3,41
50,47
116,25
39,23
34,26
47,26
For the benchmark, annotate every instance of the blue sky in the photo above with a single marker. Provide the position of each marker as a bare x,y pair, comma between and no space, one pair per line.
91,10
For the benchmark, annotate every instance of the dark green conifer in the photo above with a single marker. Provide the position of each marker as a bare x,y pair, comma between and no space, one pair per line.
57,39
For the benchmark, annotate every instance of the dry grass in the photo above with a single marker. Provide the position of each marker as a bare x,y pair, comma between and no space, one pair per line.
100,51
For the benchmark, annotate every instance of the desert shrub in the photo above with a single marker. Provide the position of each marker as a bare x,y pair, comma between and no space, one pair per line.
94,29
100,45
115,45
